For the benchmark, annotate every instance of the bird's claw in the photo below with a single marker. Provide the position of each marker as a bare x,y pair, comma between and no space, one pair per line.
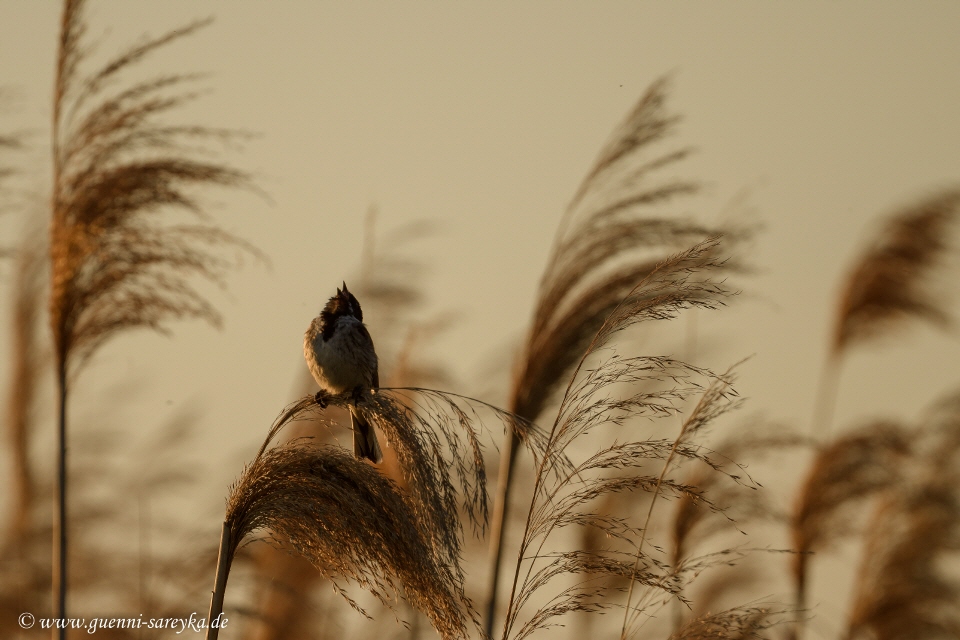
321,399
357,394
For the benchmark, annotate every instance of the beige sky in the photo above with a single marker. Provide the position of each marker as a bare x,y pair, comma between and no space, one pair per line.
483,117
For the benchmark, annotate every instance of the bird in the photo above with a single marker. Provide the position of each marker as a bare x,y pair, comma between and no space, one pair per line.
341,357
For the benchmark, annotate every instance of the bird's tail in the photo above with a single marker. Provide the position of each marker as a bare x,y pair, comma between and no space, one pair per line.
365,443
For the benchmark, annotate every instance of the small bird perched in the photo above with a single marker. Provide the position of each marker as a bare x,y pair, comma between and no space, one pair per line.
341,357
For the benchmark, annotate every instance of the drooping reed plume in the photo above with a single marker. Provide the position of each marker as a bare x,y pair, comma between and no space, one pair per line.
902,590
843,474
564,490
888,286
615,232
904,587
7,142
353,523
117,168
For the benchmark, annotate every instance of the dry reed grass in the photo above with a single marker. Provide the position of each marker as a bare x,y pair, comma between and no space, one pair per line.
902,590
352,522
691,524
563,491
716,400
904,587
116,167
889,283
8,142
740,623
608,241
843,474
115,267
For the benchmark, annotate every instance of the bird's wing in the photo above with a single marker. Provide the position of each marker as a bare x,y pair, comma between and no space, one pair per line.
375,384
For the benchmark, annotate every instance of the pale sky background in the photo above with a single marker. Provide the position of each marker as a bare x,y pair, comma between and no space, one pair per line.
484,117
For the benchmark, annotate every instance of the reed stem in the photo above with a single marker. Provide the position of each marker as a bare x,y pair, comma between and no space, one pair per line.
826,400
60,517
497,530
224,558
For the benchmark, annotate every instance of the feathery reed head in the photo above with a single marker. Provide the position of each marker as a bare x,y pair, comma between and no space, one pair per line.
350,522
7,142
691,523
441,460
566,493
739,623
843,473
116,166
902,589
888,284
608,242
437,437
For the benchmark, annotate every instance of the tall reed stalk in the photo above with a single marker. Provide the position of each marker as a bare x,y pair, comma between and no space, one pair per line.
116,167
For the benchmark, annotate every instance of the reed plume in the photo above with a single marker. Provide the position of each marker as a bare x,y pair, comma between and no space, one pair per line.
352,522
739,623
842,475
901,590
904,588
608,241
889,283
889,286
116,167
563,490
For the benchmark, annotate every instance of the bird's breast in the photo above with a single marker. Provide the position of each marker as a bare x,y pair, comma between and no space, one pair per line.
343,362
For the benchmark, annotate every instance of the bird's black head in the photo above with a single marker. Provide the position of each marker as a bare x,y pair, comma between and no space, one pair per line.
342,304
